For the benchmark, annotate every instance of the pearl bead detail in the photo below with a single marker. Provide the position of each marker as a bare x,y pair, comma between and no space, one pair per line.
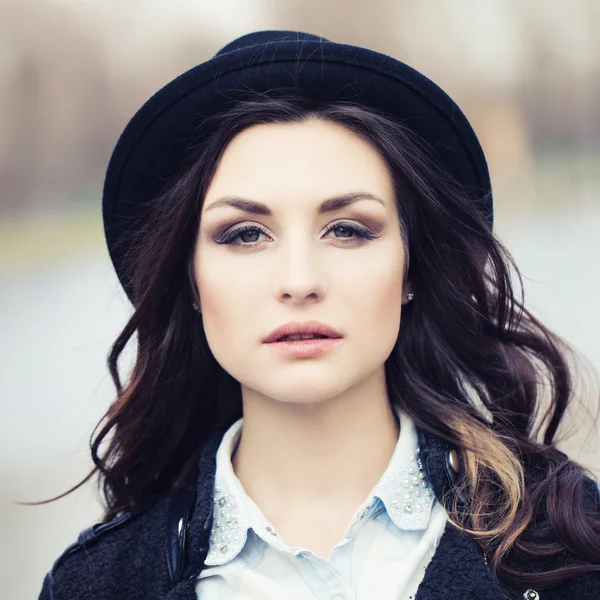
411,500
225,528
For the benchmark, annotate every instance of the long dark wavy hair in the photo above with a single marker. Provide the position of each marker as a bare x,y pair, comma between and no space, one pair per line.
470,365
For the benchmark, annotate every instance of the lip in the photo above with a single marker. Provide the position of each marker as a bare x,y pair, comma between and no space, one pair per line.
302,328
305,348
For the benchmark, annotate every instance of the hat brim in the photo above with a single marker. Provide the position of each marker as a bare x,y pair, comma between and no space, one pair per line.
157,141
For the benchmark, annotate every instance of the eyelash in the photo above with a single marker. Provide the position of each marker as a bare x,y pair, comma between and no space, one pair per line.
229,237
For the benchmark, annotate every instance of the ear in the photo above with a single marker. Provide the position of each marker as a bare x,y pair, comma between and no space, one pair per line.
406,289
196,295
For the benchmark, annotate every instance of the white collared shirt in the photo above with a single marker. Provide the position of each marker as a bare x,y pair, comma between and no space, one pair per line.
383,553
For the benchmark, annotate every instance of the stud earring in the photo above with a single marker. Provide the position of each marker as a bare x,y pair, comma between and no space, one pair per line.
195,306
410,296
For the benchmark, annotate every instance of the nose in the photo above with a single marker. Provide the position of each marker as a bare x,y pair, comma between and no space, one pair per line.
301,279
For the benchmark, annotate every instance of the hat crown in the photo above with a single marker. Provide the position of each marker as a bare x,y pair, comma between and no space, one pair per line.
161,138
260,38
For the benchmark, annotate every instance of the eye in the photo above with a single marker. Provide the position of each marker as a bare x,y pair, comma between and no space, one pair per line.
234,236
358,232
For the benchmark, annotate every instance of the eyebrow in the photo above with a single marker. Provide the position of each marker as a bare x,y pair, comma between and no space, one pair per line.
258,208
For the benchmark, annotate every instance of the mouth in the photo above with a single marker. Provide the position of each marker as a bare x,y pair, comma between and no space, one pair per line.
299,332
297,338
305,346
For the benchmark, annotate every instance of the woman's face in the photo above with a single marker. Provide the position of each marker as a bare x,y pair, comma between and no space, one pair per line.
293,267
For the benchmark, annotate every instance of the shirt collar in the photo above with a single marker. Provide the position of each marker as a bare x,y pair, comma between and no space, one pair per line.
403,489
231,519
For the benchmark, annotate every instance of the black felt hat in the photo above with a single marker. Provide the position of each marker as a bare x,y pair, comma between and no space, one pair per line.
156,142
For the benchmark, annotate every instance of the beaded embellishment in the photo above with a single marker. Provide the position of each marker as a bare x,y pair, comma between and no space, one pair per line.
226,528
409,494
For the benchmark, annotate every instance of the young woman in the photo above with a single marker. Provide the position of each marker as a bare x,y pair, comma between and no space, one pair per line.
337,393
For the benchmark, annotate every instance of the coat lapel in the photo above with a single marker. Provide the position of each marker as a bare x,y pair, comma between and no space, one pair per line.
200,522
457,571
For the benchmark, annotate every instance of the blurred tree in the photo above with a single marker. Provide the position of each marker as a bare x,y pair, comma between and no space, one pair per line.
373,24
71,75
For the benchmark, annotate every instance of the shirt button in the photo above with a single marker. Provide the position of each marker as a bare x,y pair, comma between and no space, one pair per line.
454,461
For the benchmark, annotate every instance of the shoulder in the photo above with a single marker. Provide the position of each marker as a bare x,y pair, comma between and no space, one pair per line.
574,481
123,558
579,489
140,555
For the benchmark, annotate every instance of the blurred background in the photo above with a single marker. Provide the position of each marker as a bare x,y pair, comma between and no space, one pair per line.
73,72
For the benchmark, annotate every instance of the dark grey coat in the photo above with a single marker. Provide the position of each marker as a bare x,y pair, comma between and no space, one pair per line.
158,552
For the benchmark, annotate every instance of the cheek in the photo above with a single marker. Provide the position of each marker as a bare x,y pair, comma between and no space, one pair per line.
226,307
377,281
377,298
386,295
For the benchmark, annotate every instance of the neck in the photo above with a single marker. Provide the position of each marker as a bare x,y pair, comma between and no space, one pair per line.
305,454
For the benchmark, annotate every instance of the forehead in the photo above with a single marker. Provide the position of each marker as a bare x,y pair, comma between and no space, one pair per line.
312,158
